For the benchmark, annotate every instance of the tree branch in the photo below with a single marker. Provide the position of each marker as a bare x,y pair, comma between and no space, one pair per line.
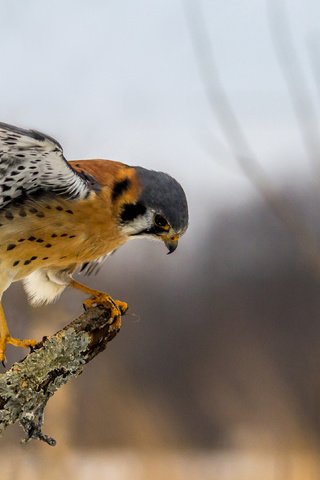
26,388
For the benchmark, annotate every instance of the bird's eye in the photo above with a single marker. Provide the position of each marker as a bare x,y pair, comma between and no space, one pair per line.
160,221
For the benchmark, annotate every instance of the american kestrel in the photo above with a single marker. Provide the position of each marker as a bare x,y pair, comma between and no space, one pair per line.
58,217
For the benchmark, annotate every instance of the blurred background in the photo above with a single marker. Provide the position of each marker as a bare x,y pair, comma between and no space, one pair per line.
215,373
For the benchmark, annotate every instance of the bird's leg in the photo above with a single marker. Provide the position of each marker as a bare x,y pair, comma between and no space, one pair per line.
6,338
118,308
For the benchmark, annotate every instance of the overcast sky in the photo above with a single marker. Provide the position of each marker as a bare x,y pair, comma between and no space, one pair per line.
118,79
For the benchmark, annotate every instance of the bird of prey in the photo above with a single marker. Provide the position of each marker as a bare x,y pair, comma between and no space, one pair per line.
58,217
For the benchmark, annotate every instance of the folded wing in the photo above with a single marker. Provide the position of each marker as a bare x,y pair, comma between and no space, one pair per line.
33,163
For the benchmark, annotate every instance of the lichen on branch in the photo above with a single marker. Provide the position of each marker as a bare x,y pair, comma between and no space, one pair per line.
26,388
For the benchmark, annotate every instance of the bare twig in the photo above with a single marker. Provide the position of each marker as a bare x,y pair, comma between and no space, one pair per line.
296,82
237,140
312,44
26,388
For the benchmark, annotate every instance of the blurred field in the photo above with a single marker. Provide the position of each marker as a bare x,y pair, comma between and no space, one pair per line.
215,373
132,465
231,392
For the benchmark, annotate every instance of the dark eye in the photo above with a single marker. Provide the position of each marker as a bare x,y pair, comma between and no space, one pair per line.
160,221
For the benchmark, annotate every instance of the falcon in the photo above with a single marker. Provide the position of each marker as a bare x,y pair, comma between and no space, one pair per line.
59,217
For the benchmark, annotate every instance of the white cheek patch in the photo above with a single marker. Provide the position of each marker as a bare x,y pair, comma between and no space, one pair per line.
142,222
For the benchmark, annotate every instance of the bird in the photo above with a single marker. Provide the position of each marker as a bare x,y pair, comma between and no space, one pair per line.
60,217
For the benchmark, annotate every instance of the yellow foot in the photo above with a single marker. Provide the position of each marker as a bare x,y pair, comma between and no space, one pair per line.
118,308
17,342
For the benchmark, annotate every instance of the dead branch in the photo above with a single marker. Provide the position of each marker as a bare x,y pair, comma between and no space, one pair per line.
26,388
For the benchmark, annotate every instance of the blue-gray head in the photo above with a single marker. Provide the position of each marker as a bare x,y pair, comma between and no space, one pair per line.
161,211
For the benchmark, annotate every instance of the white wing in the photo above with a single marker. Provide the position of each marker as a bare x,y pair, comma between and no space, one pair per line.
31,162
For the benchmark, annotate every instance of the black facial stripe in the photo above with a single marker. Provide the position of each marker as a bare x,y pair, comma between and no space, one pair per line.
150,231
131,211
155,230
119,188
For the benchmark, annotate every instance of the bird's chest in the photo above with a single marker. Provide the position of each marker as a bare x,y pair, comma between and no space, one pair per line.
55,234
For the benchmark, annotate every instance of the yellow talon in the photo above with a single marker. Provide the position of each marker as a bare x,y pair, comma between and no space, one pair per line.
123,306
6,338
118,308
16,342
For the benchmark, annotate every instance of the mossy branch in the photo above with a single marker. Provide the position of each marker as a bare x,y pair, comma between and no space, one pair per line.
26,388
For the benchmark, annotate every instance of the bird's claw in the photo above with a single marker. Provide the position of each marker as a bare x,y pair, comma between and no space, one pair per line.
16,342
118,308
123,306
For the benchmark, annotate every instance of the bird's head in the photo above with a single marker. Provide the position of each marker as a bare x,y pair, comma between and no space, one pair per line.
160,212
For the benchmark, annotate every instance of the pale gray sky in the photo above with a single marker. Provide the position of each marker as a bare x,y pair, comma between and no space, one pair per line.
118,79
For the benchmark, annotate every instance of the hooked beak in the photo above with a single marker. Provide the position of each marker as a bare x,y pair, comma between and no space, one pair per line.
171,243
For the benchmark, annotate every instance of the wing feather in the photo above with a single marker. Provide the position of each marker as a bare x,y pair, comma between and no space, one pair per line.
93,267
30,162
